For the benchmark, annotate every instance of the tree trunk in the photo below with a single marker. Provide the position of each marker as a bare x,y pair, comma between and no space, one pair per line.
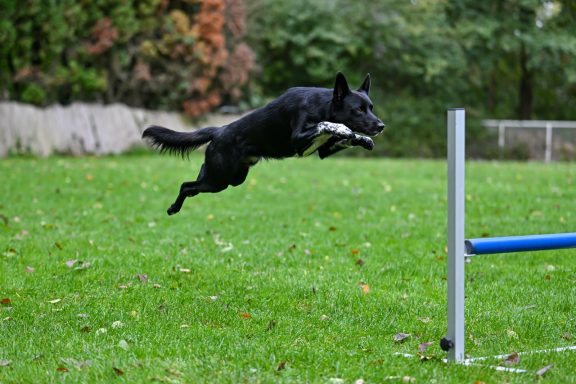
526,87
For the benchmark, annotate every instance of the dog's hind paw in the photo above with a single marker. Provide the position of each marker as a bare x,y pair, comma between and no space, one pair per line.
172,210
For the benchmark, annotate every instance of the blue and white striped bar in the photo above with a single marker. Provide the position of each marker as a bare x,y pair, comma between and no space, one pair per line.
492,245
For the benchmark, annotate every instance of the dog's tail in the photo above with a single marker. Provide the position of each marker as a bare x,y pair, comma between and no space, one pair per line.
182,143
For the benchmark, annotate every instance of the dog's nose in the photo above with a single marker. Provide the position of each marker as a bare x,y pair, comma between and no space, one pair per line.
381,125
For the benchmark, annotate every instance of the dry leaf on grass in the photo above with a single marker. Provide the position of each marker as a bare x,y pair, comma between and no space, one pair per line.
281,366
422,347
118,371
542,371
401,337
512,359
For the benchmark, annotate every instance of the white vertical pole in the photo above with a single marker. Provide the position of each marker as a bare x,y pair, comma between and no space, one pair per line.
501,135
548,155
456,191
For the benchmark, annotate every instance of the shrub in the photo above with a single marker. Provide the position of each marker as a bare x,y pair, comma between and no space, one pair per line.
153,53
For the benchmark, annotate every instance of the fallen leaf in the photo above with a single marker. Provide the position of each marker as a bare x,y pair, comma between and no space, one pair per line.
123,344
70,263
54,301
6,302
62,369
82,265
323,318
332,229
360,262
408,379
542,371
423,346
86,329
5,363
567,336
281,366
58,245
271,325
511,334
512,359
20,235
245,315
355,251
117,324
185,270
142,277
156,286
30,269
89,177
365,288
118,371
401,337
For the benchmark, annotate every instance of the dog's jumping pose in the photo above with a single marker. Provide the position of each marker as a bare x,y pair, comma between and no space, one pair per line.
300,122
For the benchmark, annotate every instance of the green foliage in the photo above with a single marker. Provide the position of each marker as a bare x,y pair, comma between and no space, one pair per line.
497,59
150,53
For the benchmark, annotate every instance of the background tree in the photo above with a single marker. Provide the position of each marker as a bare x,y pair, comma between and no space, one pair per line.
171,54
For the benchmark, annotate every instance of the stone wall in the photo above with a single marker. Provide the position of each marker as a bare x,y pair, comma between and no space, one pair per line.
84,129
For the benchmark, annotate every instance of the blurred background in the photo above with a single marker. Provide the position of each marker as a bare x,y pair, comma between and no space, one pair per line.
499,59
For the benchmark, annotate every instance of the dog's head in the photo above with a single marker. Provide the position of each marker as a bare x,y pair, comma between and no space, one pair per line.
354,108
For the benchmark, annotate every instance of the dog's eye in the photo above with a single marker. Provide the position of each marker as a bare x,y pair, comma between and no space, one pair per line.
361,109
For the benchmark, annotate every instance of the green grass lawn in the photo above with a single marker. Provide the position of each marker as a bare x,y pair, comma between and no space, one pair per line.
303,274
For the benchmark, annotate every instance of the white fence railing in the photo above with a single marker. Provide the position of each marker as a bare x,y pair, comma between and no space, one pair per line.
549,125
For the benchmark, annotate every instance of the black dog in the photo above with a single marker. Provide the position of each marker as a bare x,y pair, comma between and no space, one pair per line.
299,122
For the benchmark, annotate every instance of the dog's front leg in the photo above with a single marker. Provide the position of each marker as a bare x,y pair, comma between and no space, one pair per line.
335,145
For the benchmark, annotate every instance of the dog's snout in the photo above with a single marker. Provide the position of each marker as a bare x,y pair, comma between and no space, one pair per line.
381,125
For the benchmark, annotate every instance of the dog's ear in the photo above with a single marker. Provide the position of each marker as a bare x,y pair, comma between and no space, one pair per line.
341,88
365,87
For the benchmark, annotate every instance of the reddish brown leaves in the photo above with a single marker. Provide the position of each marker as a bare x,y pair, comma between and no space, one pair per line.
103,34
6,302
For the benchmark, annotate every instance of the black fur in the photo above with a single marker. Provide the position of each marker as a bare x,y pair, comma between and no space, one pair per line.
286,127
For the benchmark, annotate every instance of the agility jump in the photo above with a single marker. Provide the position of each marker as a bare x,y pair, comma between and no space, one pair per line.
459,248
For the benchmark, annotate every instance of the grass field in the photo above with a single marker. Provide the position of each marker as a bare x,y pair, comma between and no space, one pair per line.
303,274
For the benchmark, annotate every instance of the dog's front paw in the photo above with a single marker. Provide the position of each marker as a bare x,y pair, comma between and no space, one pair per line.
364,142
